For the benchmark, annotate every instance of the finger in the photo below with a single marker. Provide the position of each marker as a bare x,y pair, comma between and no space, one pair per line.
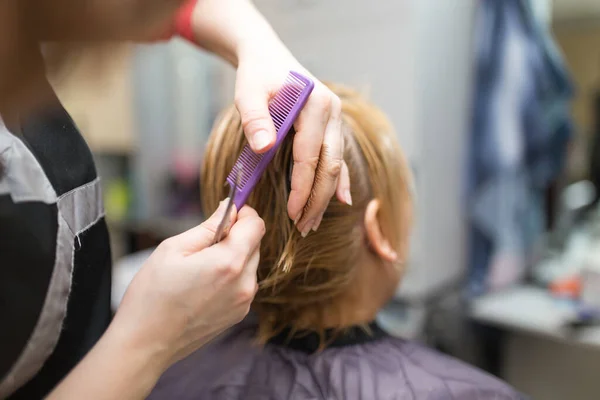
253,106
248,278
235,250
328,171
202,236
247,212
310,130
247,232
342,191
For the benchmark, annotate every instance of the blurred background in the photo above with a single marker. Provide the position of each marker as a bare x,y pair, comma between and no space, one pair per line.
497,106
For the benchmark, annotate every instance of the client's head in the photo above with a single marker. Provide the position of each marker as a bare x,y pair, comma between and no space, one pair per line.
343,273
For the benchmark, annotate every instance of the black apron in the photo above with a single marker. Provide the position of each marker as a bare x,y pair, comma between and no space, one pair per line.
55,262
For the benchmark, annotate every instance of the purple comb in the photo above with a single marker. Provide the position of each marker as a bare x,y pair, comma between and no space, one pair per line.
284,109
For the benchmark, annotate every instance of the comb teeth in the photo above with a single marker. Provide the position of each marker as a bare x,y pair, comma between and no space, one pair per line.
280,107
246,163
284,108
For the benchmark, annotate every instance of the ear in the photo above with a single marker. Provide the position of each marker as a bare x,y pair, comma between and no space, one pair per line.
378,243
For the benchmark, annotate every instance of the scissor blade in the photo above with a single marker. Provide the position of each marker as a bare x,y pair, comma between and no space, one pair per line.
225,220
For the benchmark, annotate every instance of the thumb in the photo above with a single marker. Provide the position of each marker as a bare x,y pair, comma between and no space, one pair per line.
202,236
253,106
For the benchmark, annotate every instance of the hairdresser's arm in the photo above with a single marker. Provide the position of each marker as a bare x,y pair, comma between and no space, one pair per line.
184,295
235,30
118,367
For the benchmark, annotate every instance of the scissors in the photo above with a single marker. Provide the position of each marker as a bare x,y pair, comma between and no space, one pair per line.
225,220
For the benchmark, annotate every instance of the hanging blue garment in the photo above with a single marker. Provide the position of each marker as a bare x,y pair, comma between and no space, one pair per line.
520,130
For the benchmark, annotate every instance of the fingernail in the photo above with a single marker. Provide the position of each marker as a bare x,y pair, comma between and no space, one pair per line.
261,139
307,227
297,219
317,223
348,197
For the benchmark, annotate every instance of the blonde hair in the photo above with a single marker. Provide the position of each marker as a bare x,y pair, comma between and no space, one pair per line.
299,276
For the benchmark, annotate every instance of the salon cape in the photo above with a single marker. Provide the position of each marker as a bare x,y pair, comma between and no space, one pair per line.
357,365
54,254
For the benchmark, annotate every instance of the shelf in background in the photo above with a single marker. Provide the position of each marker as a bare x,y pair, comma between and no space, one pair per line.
532,310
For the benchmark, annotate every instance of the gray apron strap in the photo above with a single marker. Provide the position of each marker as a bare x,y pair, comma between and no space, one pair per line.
24,180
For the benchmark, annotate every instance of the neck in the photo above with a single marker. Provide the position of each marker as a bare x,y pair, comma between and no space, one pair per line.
21,63
35,95
359,305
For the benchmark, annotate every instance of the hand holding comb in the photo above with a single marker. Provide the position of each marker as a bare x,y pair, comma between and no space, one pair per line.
284,108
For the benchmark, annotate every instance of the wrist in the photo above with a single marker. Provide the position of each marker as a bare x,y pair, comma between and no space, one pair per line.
121,365
142,346
260,45
231,29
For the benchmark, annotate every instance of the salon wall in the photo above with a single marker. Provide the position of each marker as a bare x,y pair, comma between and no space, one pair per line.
443,89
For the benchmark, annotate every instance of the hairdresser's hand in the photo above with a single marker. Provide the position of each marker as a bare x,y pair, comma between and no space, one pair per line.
184,295
187,293
319,169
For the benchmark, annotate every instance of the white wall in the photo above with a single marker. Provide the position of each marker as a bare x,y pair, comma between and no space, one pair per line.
443,44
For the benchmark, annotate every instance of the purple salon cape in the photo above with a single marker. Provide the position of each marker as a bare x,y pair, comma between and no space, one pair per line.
357,365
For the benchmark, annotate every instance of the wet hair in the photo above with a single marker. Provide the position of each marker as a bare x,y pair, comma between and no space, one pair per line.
299,276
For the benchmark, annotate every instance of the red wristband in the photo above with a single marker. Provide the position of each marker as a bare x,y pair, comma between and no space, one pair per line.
183,21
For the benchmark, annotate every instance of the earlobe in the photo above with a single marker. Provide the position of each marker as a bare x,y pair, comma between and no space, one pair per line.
379,244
